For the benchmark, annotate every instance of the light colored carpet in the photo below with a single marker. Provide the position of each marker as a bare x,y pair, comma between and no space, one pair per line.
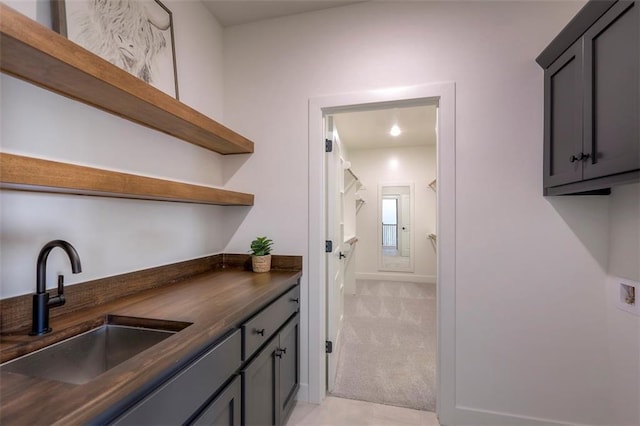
388,345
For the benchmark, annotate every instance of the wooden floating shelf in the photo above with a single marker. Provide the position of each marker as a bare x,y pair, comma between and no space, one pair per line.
43,57
33,174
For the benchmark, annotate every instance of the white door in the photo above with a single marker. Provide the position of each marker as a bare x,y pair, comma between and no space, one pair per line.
405,225
334,258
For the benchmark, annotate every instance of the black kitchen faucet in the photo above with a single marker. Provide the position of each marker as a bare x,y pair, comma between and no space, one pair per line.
41,300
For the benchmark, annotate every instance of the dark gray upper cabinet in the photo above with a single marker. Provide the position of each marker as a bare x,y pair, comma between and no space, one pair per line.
611,92
563,118
591,101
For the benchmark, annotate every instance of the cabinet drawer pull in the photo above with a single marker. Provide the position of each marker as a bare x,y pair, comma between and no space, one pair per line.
296,299
260,331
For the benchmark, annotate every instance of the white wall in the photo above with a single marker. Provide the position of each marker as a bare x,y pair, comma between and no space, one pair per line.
624,252
114,236
623,329
531,335
402,164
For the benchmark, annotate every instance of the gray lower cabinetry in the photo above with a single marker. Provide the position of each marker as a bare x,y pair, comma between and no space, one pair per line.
176,401
225,409
210,391
271,380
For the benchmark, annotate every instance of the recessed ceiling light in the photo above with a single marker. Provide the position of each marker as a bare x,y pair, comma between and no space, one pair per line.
395,130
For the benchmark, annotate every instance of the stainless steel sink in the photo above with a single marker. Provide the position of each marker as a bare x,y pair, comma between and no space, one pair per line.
81,358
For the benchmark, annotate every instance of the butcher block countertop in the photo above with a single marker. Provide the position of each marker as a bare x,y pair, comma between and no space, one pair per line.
213,302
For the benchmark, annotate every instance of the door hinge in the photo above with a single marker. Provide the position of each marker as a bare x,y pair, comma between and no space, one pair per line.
328,145
328,346
328,246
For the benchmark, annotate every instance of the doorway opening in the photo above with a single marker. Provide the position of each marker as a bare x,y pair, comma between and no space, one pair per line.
319,109
381,275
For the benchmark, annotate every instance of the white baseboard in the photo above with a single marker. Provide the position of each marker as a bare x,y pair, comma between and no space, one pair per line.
303,392
465,416
393,276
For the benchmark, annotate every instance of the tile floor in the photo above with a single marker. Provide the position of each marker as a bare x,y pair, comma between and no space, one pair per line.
347,412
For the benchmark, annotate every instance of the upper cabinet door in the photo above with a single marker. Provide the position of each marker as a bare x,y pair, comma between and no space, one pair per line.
563,118
611,58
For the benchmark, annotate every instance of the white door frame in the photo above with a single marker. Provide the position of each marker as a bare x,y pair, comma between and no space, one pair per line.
319,106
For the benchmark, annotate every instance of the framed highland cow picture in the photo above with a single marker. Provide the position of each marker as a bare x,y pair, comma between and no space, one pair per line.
135,35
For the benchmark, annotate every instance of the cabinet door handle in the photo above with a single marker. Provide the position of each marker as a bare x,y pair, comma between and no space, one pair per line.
582,157
260,331
294,299
280,352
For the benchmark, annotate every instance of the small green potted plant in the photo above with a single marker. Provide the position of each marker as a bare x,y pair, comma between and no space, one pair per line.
261,254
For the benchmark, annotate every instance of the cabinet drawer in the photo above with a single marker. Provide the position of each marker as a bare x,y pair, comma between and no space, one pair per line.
258,330
177,400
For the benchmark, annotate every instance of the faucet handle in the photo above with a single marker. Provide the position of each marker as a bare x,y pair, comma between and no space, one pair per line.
60,285
58,299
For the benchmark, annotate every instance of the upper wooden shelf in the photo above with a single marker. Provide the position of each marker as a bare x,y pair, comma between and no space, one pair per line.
43,57
34,174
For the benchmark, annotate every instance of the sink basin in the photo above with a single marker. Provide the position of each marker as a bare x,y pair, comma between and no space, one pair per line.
81,358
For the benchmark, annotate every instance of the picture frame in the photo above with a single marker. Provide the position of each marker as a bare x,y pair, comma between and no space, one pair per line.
135,35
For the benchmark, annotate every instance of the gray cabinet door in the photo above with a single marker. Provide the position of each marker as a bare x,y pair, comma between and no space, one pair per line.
289,370
224,410
563,118
259,388
611,56
271,380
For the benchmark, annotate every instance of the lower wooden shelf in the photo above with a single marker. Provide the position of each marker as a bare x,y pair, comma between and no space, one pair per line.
33,174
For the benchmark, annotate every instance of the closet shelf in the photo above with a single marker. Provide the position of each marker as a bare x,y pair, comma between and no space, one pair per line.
33,174
34,53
